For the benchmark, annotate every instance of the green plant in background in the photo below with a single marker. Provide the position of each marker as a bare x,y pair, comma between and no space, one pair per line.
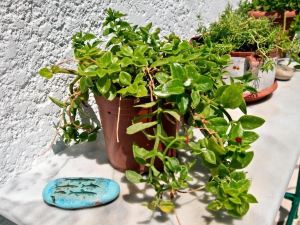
271,5
295,26
244,33
183,83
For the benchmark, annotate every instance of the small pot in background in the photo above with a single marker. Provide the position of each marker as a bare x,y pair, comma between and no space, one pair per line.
277,17
285,69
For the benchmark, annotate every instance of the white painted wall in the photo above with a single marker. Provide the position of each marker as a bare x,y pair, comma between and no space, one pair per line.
34,33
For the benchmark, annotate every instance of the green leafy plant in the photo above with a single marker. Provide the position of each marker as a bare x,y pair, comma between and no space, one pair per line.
182,83
271,5
295,26
244,33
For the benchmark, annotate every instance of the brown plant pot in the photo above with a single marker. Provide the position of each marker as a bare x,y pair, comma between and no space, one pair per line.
242,54
198,39
254,60
277,17
249,98
120,154
250,56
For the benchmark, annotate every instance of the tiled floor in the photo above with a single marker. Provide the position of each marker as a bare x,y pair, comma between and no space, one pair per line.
286,204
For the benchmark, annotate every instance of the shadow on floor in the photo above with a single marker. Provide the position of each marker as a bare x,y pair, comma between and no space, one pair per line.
4,221
283,214
91,150
200,175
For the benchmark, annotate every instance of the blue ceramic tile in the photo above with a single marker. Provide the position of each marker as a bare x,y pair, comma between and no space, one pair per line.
76,193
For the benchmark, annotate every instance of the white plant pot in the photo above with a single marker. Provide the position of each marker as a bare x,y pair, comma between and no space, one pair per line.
265,79
237,68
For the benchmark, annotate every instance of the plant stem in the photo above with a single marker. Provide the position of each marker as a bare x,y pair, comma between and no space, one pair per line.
157,140
71,86
118,119
284,21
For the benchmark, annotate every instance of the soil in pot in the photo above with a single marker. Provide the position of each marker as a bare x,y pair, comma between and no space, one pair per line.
118,143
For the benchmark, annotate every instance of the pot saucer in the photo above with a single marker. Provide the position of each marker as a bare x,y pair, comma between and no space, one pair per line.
260,95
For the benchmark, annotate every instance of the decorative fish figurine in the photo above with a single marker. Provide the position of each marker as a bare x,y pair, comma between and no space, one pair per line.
76,193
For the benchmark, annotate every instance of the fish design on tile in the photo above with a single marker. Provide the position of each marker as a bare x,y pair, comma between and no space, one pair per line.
75,193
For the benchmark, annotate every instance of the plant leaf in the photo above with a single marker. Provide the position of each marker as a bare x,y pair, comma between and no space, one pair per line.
126,50
133,176
177,71
183,104
232,96
215,205
166,206
162,77
103,85
146,105
134,128
249,122
209,156
46,73
173,113
142,91
125,78
105,60
249,137
57,102
212,145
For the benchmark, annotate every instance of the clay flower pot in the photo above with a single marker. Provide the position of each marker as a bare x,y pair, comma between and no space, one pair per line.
278,17
242,54
119,153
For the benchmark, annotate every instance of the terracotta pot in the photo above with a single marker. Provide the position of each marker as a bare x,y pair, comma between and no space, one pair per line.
242,54
260,95
276,16
198,39
250,57
120,154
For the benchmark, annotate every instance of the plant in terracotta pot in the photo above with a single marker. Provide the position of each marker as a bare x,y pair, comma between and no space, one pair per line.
257,40
281,12
153,84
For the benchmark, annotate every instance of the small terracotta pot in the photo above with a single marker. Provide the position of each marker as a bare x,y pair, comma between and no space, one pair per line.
275,15
250,56
197,38
120,154
278,17
242,54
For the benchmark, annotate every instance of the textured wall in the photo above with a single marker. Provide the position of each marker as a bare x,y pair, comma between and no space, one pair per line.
34,33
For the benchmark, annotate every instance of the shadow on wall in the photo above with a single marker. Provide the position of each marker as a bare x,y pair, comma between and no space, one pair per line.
87,116
90,150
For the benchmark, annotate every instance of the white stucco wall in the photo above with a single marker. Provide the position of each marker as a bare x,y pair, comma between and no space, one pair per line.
34,33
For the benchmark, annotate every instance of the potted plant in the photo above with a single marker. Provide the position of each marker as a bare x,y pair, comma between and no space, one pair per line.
257,40
281,12
164,81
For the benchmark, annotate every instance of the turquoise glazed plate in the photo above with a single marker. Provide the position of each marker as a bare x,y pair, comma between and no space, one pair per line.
79,192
